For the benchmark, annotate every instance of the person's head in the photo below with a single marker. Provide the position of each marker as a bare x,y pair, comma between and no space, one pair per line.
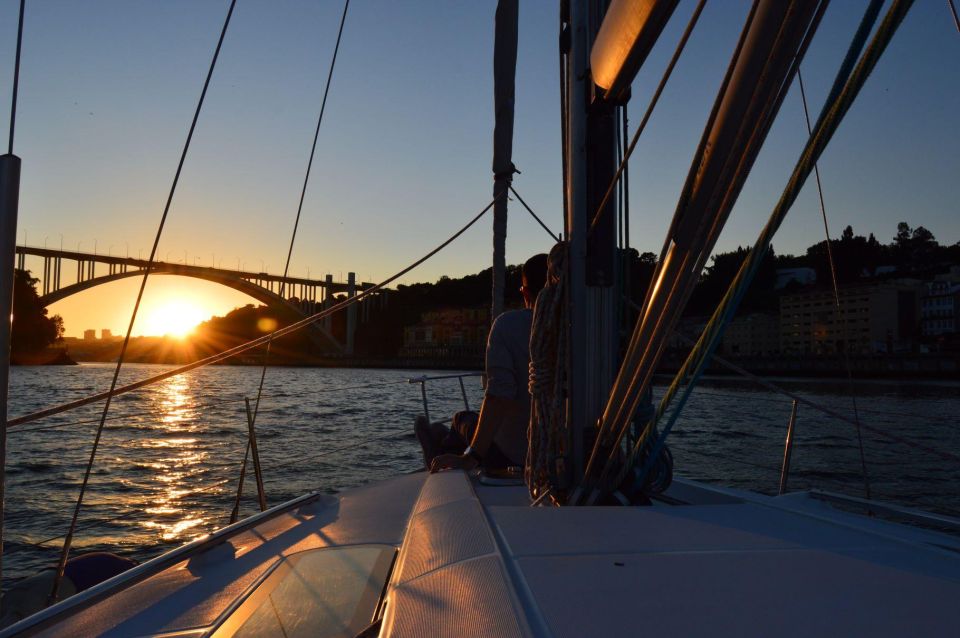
534,275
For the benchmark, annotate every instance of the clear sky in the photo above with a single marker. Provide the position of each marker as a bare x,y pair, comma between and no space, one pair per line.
108,89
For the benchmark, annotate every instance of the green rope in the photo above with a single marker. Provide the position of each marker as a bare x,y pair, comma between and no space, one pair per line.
696,361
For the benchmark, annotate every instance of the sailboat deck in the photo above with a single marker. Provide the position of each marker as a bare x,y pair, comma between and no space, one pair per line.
731,567
477,560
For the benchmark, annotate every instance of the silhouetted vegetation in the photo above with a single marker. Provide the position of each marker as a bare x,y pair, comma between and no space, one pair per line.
33,332
251,322
913,252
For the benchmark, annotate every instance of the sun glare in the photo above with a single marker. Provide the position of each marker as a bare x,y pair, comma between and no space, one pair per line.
175,319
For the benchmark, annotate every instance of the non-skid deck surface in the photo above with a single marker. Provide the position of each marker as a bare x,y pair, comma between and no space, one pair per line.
740,569
473,560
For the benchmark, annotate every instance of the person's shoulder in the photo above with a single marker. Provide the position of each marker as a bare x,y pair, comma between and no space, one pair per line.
513,319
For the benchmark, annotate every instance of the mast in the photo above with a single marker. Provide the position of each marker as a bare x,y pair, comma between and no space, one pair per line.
9,198
9,202
504,75
590,164
608,43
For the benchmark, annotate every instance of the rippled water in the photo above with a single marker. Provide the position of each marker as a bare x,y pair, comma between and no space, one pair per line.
169,459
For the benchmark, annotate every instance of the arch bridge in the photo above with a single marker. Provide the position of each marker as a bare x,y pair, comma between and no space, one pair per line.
301,296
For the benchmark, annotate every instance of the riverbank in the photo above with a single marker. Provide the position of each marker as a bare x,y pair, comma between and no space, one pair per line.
896,366
171,351
48,357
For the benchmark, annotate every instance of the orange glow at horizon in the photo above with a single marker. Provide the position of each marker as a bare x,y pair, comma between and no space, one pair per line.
171,306
174,318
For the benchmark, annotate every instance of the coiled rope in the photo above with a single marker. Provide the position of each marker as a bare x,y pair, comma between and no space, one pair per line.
547,435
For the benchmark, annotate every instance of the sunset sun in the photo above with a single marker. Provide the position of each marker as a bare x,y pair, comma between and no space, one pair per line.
176,318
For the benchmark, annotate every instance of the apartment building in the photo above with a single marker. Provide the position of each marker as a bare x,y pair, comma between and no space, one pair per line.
881,317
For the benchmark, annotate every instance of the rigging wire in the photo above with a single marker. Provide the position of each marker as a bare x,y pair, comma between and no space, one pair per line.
136,306
563,47
947,456
293,239
841,319
16,78
699,391
646,116
688,242
556,237
626,183
827,124
619,206
953,11
259,341
112,519
95,523
207,406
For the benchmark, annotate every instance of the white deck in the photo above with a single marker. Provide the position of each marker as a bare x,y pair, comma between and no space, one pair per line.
729,568
478,561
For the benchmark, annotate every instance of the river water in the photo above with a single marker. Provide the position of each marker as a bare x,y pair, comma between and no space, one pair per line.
169,459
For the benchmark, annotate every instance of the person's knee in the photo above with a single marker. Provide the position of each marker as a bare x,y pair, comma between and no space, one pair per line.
465,423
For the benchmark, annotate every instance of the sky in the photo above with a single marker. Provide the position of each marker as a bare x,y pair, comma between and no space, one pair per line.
403,159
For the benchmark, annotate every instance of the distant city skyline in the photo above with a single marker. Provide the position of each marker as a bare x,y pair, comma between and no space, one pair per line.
107,90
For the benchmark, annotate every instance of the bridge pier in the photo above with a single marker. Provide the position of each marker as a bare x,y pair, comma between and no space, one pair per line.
327,302
46,275
351,311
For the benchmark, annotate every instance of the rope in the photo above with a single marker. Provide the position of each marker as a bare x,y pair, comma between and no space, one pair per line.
253,343
547,435
953,10
646,116
836,297
293,238
709,194
834,112
136,307
16,78
534,215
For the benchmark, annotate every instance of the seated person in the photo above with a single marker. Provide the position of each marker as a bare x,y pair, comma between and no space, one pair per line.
498,438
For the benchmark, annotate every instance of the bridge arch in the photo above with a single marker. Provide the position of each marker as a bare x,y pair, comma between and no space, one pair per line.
319,335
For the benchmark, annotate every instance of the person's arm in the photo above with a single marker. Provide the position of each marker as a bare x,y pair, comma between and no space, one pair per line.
499,405
494,412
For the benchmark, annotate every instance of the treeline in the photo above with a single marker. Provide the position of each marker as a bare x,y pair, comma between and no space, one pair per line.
34,334
913,252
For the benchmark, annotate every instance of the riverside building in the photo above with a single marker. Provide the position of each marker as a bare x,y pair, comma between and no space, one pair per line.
874,318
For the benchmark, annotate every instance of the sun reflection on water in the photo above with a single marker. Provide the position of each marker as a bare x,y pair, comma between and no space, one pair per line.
175,462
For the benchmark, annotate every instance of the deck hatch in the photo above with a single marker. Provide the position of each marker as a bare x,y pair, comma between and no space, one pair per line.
323,593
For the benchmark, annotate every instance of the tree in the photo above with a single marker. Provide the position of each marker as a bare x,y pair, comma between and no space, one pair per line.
33,331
